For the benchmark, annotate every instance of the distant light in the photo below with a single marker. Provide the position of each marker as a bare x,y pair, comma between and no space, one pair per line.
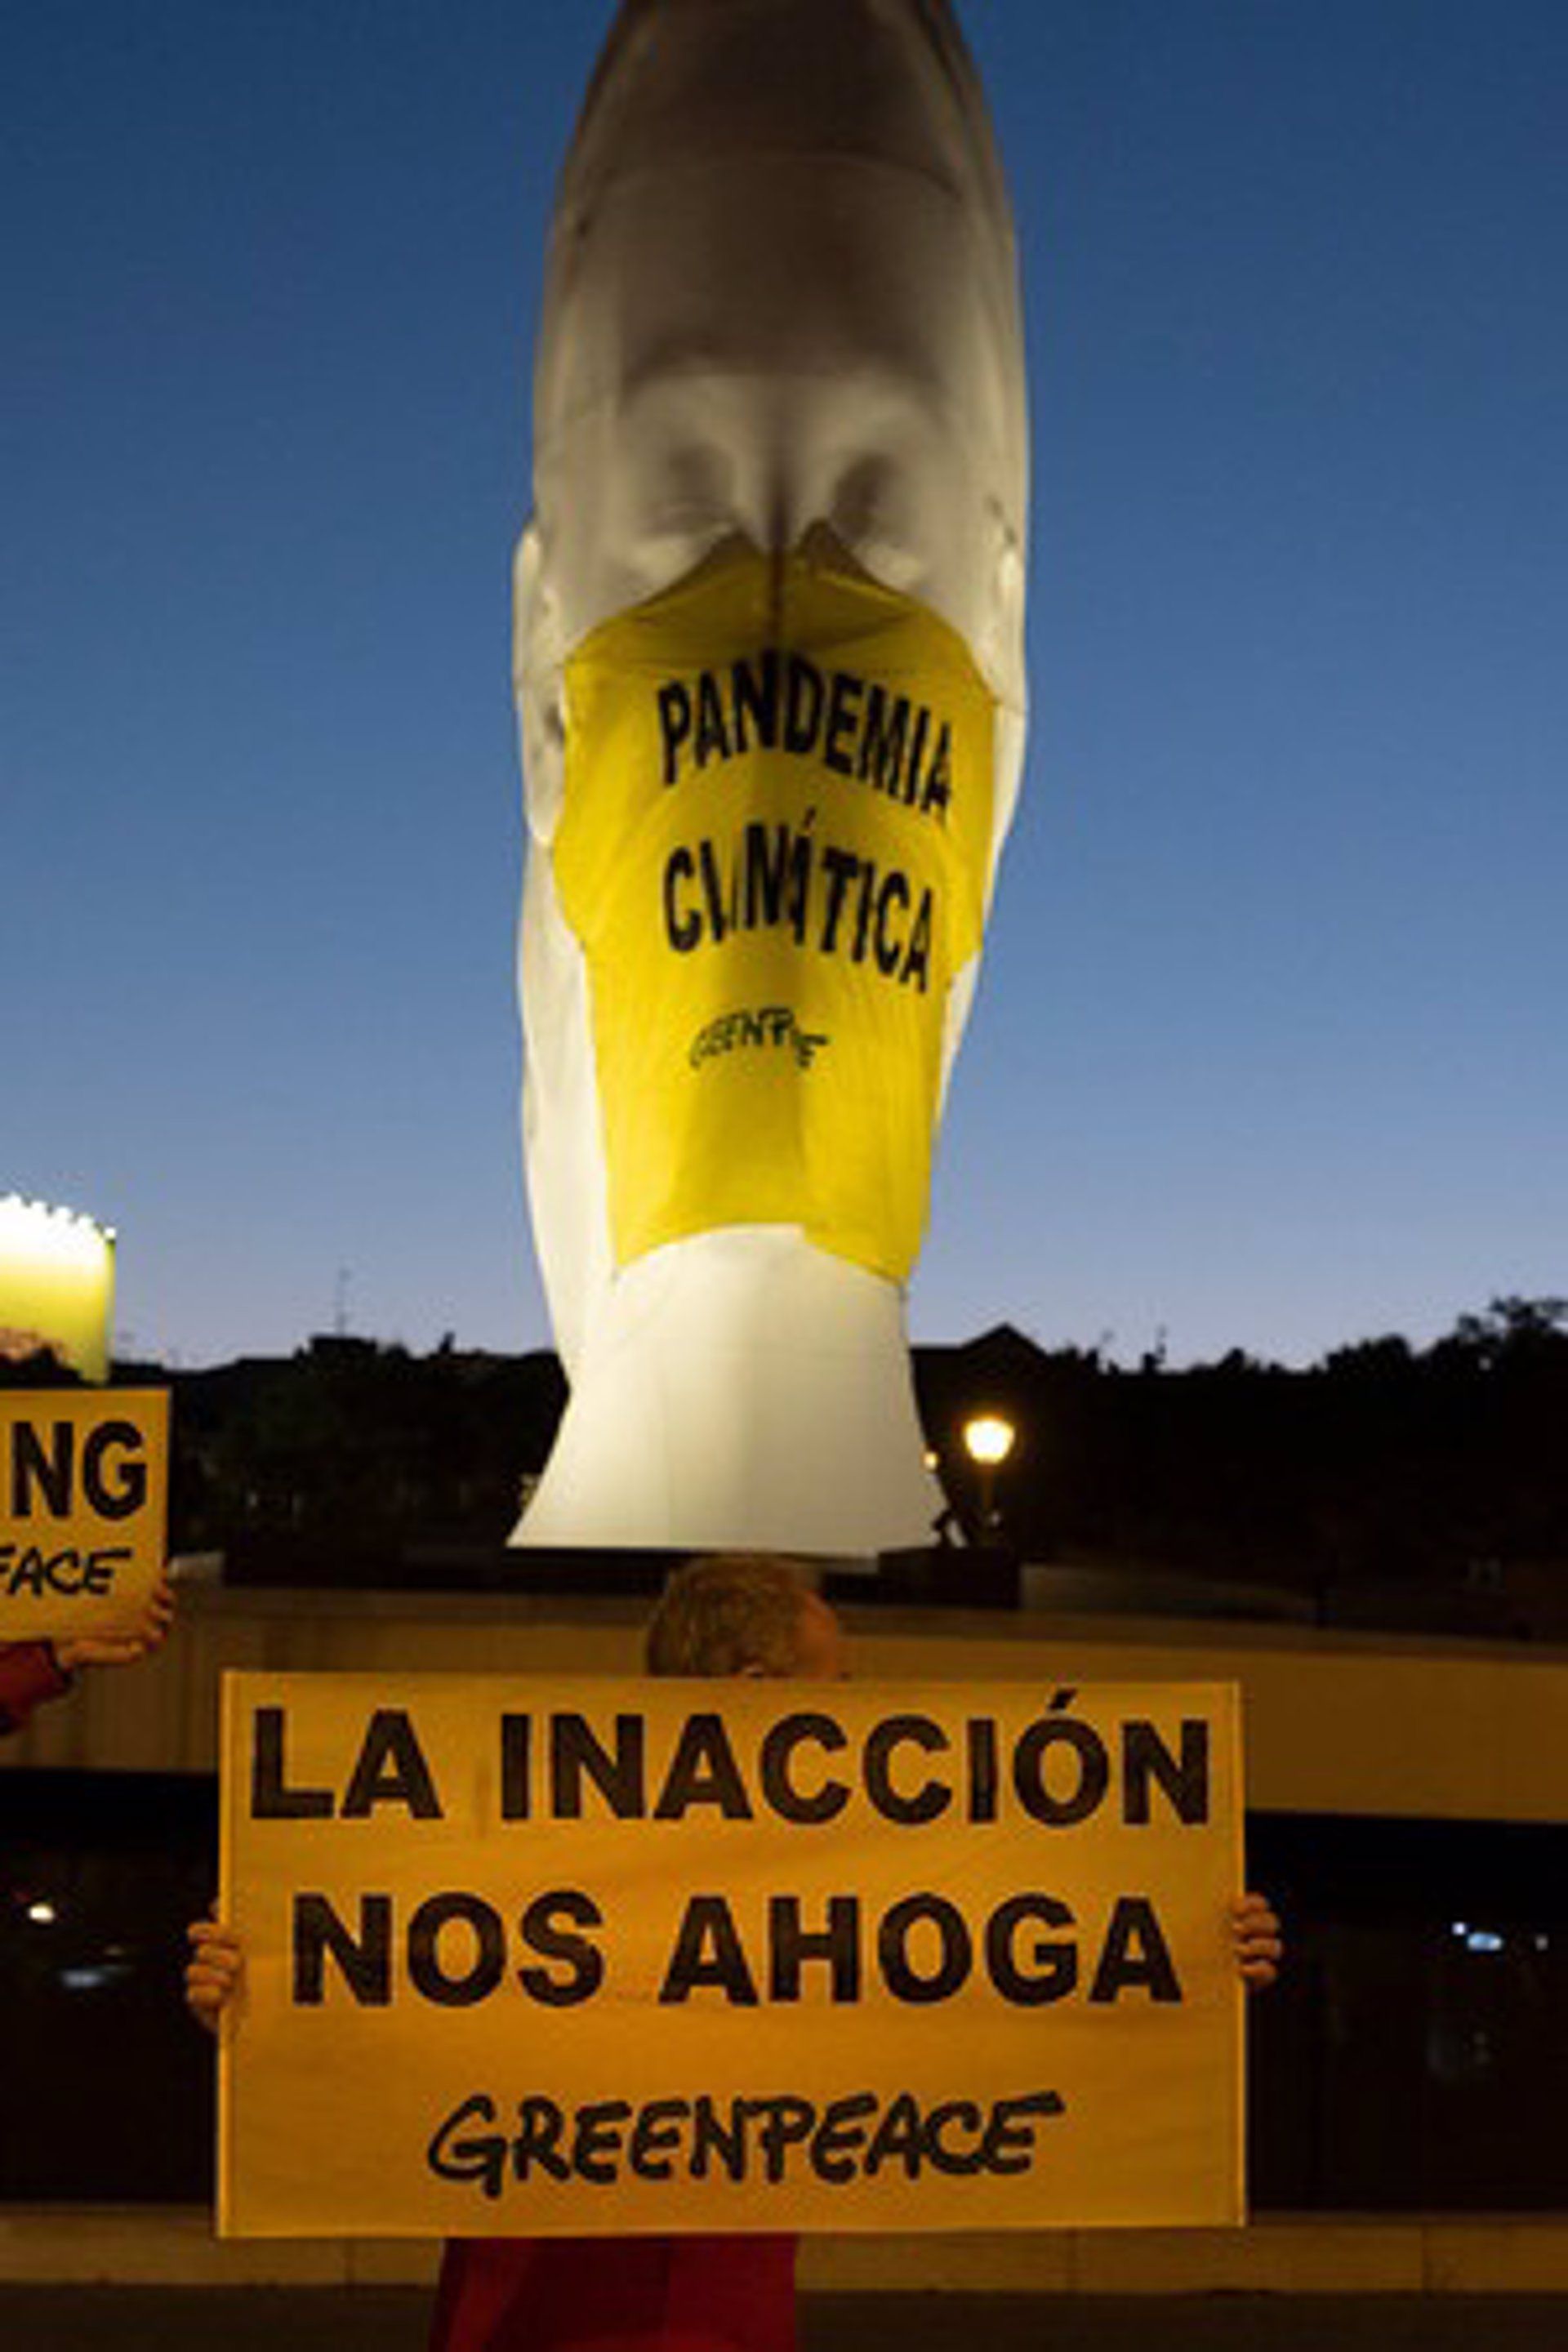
1481,1939
988,1439
42,1912
93,1975
931,1458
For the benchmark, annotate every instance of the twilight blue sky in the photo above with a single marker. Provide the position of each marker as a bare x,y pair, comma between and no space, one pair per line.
1270,1050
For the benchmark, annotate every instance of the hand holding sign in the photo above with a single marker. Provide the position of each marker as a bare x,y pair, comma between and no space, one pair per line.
1260,1942
147,1633
214,1973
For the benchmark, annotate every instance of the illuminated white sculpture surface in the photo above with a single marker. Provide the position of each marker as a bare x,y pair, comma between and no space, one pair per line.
57,1285
780,315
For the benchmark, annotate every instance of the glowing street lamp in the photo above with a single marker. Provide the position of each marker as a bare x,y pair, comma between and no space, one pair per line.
988,1440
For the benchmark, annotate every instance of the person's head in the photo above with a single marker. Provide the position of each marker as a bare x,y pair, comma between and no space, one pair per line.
742,1614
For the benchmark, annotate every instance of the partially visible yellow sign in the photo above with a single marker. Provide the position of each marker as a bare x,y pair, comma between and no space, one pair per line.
775,851
83,1494
591,1957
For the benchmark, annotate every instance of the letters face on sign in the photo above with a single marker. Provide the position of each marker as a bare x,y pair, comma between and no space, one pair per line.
84,1496
568,1957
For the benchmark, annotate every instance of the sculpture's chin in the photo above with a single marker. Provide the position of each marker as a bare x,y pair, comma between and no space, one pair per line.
784,1420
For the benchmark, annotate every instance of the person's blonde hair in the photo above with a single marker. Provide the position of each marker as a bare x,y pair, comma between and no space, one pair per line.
727,1613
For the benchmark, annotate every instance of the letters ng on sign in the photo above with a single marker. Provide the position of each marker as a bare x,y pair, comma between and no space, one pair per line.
83,1488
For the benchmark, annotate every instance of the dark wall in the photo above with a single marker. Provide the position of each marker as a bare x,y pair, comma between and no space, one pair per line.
107,2085
1415,2055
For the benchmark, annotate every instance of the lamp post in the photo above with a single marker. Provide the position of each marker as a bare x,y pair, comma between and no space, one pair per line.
988,1440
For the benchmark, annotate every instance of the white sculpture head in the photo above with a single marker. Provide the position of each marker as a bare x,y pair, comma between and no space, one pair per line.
769,620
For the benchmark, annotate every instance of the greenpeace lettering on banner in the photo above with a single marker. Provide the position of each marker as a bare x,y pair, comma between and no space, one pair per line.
643,1957
83,1483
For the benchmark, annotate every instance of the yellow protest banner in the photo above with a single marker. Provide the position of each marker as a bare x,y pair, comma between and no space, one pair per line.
83,1497
775,851
591,1956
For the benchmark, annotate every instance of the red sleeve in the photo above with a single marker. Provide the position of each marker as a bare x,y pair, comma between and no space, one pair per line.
28,1673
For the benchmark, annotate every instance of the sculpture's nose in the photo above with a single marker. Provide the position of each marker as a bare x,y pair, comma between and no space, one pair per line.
782,290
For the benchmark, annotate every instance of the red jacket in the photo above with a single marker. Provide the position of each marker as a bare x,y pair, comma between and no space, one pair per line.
618,2294
28,1673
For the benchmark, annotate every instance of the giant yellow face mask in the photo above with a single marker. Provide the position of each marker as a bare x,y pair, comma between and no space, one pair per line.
773,853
